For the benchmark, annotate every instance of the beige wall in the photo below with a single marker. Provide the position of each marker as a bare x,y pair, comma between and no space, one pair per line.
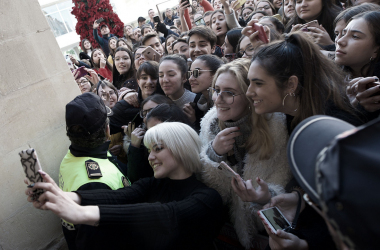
35,85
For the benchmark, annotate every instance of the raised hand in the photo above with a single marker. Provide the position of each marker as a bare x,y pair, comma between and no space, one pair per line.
320,35
63,204
224,140
95,25
190,112
92,76
248,193
254,35
137,136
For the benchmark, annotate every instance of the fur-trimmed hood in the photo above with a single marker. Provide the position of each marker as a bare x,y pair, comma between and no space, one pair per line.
275,171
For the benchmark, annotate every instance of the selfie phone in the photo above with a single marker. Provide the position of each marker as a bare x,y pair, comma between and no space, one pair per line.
100,20
241,2
186,1
262,35
200,21
156,19
150,54
274,219
82,72
313,23
31,165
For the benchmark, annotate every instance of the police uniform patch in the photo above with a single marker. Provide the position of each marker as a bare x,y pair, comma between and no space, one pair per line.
93,169
125,181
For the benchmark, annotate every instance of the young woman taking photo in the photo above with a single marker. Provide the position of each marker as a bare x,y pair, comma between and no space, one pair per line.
155,109
101,65
172,210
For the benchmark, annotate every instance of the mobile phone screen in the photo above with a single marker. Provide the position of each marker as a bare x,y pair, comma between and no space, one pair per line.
275,218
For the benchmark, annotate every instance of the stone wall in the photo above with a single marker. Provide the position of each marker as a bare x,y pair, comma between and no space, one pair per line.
35,85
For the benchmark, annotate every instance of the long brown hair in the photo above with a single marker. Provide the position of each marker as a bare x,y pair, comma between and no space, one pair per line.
97,65
320,80
118,80
82,45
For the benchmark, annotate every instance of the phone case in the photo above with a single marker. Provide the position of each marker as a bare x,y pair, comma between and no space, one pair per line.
241,2
31,165
262,35
278,219
313,23
100,20
227,170
82,72
149,53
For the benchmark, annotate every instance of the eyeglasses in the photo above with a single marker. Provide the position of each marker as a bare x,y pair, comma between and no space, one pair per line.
248,51
230,57
246,14
227,96
195,72
143,113
83,82
266,7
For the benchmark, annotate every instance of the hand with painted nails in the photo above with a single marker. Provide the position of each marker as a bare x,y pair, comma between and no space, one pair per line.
64,204
365,91
287,203
224,141
248,193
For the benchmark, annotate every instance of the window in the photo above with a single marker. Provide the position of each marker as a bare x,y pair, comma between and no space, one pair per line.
60,19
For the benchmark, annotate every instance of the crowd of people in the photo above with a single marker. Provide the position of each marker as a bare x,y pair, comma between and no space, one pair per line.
209,82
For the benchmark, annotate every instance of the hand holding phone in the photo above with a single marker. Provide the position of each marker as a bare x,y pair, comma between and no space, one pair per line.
313,23
274,219
239,4
156,19
99,20
80,72
150,54
31,165
227,170
262,35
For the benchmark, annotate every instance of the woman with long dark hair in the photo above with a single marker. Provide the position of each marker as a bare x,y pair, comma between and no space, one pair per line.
123,68
100,64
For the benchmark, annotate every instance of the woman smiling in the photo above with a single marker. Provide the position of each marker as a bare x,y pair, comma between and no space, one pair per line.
123,70
254,146
171,210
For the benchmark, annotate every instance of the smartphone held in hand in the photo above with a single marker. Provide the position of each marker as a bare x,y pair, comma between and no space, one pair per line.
274,219
31,165
262,35
81,72
100,20
151,55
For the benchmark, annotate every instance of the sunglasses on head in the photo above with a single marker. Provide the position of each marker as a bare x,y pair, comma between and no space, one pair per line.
195,72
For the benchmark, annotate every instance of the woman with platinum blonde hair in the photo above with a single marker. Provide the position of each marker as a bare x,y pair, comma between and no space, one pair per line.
167,211
254,146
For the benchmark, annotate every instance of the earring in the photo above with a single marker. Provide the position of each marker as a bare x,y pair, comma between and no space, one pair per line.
283,100
371,59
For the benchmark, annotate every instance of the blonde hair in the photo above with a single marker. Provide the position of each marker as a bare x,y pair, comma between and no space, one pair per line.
181,140
260,139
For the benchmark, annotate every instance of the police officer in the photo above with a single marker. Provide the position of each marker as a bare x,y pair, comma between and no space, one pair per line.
88,165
